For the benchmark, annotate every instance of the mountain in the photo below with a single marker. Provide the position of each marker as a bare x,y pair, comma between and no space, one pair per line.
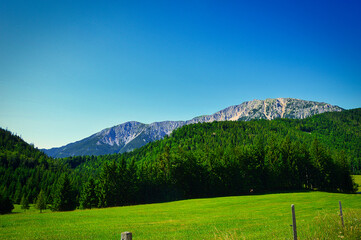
231,157
131,135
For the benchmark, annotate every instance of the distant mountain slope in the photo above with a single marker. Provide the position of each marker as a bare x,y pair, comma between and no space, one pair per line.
130,135
339,133
212,156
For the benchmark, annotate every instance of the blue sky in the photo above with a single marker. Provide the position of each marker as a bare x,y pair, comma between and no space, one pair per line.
71,68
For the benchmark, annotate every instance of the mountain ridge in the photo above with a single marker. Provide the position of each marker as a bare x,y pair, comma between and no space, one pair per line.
130,135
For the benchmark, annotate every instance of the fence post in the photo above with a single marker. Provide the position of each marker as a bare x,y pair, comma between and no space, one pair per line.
341,214
126,236
294,222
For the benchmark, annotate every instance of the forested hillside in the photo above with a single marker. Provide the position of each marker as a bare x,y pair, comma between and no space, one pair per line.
231,158
24,170
198,160
338,131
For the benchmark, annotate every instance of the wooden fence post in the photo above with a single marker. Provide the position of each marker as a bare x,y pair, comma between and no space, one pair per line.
294,222
341,214
126,236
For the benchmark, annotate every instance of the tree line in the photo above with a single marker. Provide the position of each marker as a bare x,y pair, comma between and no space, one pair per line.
180,173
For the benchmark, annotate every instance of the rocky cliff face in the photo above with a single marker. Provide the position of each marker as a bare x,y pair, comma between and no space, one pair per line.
130,135
120,135
269,109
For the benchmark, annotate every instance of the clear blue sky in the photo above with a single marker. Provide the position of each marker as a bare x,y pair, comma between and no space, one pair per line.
71,68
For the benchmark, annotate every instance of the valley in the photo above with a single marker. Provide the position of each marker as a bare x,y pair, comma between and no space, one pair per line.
202,120
211,180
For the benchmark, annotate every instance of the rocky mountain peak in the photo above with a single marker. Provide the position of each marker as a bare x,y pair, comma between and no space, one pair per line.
130,135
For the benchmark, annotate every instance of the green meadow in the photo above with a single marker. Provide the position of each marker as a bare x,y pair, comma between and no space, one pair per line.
241,217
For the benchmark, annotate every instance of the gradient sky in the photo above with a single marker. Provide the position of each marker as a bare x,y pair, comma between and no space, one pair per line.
69,69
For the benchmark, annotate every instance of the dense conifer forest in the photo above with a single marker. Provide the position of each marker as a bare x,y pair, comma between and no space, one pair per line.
199,160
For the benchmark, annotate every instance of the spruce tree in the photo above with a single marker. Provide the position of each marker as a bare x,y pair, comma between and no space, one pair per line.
41,201
108,185
64,196
24,203
6,205
344,179
89,197
323,164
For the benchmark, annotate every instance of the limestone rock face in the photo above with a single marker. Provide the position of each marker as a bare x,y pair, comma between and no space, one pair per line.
269,109
130,135
121,134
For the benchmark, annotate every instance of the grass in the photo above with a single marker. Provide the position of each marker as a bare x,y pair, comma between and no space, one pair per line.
241,217
328,226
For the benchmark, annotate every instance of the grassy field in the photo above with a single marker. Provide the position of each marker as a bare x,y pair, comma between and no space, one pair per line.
241,217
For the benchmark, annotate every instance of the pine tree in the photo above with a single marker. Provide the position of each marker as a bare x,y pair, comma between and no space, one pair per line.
323,164
64,197
89,197
344,179
6,205
24,203
41,201
108,187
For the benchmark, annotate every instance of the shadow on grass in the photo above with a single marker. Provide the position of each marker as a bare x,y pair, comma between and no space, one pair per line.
257,194
10,213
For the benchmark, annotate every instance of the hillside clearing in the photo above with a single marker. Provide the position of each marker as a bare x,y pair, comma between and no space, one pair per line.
357,179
